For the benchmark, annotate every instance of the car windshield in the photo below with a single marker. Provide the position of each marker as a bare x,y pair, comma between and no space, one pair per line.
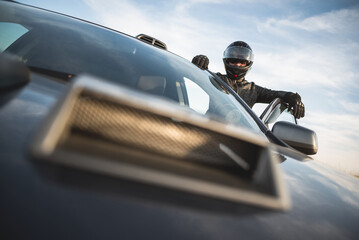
66,47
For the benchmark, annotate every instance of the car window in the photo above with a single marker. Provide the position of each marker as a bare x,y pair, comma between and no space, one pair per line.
9,33
198,99
280,113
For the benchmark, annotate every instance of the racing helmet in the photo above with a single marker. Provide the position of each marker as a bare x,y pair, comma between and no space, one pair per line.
241,52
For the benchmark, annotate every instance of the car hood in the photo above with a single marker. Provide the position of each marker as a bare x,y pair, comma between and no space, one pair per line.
55,202
325,202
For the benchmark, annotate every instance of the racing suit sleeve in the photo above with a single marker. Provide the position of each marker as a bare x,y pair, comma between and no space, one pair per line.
265,95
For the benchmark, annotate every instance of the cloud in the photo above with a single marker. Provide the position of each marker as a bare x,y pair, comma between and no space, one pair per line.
120,15
338,137
183,6
350,106
320,50
334,22
184,34
319,65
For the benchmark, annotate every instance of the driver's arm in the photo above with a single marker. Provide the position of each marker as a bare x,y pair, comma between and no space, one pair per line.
265,95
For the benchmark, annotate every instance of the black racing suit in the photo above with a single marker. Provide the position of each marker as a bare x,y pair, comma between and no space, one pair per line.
252,93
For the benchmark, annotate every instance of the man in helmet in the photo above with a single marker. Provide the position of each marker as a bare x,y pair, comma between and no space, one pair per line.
238,60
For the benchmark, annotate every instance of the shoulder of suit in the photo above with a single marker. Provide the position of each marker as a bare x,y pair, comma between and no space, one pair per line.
247,84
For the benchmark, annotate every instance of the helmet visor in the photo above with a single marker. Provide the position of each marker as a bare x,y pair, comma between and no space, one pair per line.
239,53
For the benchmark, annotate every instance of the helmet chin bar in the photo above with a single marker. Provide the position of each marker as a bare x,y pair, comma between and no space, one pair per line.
235,76
236,73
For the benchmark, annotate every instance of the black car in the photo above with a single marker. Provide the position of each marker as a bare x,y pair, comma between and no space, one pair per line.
104,135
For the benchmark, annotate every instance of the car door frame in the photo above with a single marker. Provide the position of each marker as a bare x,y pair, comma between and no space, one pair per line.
269,110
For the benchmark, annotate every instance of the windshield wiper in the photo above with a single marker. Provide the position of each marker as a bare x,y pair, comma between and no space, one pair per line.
52,73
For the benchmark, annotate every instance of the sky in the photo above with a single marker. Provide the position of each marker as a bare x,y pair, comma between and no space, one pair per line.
305,46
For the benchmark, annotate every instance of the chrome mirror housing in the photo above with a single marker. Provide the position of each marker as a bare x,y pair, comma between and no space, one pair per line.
298,137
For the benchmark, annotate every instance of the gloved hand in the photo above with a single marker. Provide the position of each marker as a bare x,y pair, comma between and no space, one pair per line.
295,103
201,61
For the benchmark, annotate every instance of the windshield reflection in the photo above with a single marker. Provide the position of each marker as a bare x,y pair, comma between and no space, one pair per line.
64,45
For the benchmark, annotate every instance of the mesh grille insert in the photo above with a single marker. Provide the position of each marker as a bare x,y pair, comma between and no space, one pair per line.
144,131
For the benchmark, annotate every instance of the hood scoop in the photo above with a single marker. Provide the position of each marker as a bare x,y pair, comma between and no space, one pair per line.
152,41
112,130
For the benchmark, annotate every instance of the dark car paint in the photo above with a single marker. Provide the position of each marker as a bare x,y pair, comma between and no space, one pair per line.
44,201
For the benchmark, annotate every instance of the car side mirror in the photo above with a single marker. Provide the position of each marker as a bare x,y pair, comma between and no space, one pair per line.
13,72
298,137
